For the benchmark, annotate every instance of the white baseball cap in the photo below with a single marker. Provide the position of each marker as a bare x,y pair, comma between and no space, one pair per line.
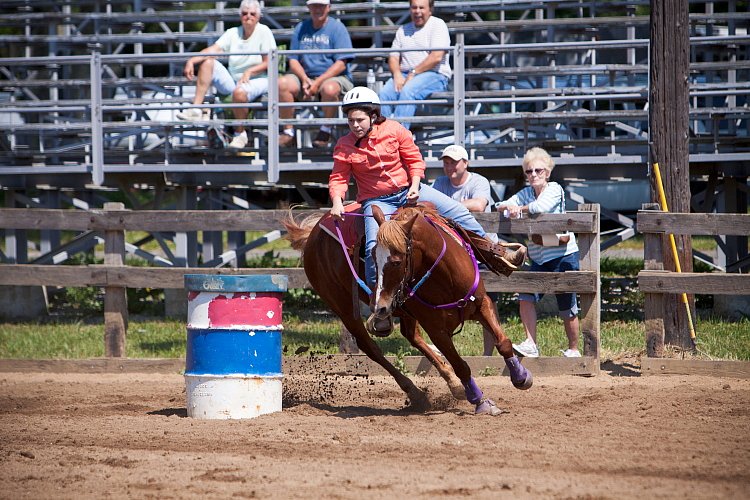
321,2
456,152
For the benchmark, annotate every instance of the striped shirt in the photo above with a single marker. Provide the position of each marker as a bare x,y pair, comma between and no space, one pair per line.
434,33
550,201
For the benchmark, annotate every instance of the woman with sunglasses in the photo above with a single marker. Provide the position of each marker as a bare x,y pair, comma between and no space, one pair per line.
548,253
244,77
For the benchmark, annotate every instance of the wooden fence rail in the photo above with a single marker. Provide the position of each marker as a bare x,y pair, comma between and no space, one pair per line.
655,281
113,221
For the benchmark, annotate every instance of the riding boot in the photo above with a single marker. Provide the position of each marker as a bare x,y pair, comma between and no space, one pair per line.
502,258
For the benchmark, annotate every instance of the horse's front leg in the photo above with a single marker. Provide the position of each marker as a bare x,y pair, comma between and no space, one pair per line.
410,330
417,397
520,376
441,337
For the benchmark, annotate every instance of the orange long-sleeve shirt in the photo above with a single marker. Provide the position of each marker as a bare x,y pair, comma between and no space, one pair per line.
385,162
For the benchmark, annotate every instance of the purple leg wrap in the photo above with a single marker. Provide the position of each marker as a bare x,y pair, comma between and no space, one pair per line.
518,372
473,393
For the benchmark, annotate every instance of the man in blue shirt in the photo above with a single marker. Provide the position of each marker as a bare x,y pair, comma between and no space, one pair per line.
323,76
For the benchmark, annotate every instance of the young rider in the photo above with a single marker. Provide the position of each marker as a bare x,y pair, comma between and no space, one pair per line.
387,168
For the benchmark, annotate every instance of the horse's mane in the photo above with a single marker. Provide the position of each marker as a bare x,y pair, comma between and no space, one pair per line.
298,232
391,233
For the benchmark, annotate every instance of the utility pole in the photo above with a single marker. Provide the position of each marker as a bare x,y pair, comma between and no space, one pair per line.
668,127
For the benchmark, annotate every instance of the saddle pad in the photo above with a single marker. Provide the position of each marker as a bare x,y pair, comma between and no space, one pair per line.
442,224
352,228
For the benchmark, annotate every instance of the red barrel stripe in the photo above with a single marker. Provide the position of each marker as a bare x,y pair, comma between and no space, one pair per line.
245,308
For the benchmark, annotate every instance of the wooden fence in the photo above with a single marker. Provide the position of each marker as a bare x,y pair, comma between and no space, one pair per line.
655,281
115,277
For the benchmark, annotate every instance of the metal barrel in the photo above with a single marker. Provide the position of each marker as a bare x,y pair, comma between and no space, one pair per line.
233,358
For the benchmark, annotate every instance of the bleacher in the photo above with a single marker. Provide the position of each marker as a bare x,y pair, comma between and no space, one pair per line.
89,90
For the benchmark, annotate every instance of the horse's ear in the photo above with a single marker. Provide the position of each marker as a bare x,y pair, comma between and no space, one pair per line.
410,223
378,214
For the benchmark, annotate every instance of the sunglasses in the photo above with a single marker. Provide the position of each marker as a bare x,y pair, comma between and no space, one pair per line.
251,14
537,171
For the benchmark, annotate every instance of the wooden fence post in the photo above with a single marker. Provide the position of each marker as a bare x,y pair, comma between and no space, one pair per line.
653,260
115,297
588,246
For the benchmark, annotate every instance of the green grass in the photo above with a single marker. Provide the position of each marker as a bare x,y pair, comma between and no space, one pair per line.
702,243
150,338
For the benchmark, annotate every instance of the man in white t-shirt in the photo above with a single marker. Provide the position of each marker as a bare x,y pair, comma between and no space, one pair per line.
473,191
245,77
419,72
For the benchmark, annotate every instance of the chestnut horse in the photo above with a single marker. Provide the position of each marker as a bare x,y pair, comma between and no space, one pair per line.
454,275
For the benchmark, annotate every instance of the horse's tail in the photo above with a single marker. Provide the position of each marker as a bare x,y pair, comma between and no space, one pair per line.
298,232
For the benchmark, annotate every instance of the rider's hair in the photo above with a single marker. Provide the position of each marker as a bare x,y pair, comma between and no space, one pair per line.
373,111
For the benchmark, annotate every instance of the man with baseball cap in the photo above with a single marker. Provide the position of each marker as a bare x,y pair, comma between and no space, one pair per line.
468,188
473,191
316,75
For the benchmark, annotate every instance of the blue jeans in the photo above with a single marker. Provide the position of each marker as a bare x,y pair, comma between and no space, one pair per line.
566,302
419,87
446,206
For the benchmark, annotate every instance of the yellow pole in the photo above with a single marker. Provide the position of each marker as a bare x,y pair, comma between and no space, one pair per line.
675,256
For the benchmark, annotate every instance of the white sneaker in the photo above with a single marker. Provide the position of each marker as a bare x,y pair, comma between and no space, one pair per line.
192,115
527,349
571,353
240,140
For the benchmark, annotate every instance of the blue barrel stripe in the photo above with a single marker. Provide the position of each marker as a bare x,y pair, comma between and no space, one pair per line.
242,352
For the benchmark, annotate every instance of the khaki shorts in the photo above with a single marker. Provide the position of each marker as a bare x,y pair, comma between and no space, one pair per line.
345,84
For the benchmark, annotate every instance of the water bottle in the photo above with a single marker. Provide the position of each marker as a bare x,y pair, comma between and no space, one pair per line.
370,79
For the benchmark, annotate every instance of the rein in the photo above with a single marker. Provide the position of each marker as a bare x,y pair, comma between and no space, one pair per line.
359,280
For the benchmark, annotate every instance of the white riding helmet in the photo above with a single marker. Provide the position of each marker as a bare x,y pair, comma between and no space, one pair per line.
360,96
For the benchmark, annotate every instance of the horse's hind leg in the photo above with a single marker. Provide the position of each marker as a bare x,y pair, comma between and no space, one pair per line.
520,376
472,391
410,331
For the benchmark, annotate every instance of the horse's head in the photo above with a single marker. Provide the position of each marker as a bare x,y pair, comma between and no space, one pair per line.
394,261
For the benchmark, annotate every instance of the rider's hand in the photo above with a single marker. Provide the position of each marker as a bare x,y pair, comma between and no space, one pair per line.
337,210
412,195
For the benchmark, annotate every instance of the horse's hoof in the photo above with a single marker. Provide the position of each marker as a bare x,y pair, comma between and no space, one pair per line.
525,383
379,327
488,407
418,401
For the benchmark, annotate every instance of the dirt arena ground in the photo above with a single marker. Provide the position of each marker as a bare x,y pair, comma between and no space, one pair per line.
128,436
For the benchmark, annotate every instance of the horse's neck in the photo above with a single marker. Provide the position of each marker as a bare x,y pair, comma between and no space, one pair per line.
432,240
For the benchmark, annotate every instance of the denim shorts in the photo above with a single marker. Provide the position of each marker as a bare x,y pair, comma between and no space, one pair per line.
566,302
225,84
